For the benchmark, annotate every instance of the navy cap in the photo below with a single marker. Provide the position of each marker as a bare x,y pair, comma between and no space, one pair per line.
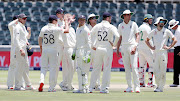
15,17
52,17
82,17
106,14
22,15
60,11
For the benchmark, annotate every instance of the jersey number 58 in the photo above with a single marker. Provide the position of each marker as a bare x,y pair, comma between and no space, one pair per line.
49,39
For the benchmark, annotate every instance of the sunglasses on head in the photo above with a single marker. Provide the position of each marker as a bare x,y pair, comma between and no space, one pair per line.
24,18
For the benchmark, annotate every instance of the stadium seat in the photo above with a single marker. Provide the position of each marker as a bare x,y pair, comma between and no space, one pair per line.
28,4
95,4
83,10
76,4
67,4
141,5
10,4
19,4
5,9
5,42
169,6
1,4
43,9
84,4
113,5
160,6
15,9
1,18
123,6
132,5
39,4
33,9
151,6
56,4
37,18
24,9
36,13
47,4
27,13
16,12
104,5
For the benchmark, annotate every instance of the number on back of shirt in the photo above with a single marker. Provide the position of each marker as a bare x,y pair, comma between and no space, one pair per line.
48,39
102,36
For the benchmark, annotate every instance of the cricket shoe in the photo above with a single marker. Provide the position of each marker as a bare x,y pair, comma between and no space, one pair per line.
64,88
150,85
90,90
97,88
129,89
29,87
41,87
10,88
142,85
157,90
71,89
52,90
19,89
137,89
105,91
173,85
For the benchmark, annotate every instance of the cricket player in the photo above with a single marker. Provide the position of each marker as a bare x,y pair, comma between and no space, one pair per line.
160,37
22,63
48,42
10,79
83,43
145,54
92,21
69,40
103,45
173,24
129,38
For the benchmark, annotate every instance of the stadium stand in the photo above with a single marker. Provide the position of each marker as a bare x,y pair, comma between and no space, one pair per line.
39,11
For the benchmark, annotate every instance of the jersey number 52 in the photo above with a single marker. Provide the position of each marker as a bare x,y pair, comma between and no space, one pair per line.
102,36
48,39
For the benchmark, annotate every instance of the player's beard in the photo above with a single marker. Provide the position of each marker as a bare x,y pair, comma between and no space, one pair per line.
161,26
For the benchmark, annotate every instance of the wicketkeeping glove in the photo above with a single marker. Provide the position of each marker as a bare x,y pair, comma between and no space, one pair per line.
87,57
29,50
73,55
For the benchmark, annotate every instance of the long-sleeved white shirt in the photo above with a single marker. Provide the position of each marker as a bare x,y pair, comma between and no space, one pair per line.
104,32
160,38
69,39
128,32
50,34
11,26
177,35
20,36
61,24
83,37
144,31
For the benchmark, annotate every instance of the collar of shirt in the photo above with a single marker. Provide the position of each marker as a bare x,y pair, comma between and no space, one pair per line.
104,21
50,24
82,26
146,23
160,30
128,22
21,24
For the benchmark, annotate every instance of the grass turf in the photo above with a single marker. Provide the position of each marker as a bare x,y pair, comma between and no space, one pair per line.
118,85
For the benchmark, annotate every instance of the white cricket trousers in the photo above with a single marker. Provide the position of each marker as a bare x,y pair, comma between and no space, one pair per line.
103,56
22,69
145,56
49,57
82,68
68,67
160,66
130,63
93,56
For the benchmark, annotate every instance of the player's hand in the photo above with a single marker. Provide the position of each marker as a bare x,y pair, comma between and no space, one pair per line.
22,52
27,43
178,54
28,29
153,48
93,48
40,49
133,51
166,47
117,53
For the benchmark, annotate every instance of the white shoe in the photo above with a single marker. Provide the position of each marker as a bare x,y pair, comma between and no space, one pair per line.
30,88
90,90
20,89
79,91
10,88
129,89
157,90
104,91
51,90
137,89
64,88
173,85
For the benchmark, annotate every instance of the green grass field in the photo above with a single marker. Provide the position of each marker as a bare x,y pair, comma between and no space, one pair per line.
118,85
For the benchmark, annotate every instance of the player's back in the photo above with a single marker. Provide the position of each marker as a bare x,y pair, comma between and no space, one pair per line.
50,34
104,33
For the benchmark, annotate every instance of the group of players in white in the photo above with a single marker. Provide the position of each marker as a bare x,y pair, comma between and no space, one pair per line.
92,44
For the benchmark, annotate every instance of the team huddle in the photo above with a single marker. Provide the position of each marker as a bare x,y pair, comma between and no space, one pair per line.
91,44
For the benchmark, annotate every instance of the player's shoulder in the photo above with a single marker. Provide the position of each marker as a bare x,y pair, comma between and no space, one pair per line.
86,28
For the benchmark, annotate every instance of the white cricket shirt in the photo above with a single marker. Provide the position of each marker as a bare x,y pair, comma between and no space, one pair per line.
177,35
20,36
128,32
83,38
50,34
104,32
144,31
11,27
69,39
160,38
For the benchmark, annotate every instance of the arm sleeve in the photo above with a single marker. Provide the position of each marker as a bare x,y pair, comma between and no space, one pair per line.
119,30
17,38
169,33
41,33
11,24
93,35
150,35
136,29
116,34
